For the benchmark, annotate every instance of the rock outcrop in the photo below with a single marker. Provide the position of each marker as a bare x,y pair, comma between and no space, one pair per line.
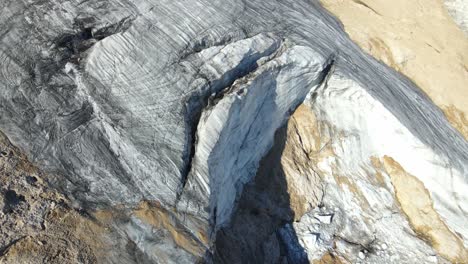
419,40
369,197
230,132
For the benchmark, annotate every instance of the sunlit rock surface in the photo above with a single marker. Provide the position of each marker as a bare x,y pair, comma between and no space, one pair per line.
420,40
164,123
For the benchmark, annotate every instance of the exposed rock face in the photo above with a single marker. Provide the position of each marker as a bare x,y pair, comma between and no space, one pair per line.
419,40
167,125
369,199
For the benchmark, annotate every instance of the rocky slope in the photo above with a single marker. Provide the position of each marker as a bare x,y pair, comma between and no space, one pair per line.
37,223
225,132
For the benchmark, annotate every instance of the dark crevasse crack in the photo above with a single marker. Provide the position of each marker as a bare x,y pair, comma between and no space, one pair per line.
245,76
327,72
368,247
192,138
209,41
74,45
204,43
119,27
